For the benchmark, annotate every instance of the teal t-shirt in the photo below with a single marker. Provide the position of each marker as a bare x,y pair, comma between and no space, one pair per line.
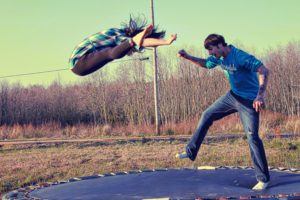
241,71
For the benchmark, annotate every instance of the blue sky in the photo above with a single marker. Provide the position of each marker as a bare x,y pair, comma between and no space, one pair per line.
39,35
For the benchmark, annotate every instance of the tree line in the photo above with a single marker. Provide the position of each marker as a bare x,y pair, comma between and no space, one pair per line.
185,90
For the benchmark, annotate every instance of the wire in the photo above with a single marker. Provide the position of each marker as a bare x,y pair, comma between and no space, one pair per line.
14,75
56,70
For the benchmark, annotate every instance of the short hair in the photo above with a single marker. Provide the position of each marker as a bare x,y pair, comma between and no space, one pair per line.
214,40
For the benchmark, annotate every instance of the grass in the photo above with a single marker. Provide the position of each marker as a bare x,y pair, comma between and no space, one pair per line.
270,123
25,166
22,165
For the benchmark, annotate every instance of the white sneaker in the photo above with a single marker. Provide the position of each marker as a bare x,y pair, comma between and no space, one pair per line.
182,155
261,185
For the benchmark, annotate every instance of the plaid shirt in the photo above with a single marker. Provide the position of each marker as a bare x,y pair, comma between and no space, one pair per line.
108,38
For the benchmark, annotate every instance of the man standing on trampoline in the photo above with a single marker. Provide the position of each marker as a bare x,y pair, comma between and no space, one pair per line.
246,96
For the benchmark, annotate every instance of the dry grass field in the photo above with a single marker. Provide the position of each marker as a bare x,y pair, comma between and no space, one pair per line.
102,149
23,165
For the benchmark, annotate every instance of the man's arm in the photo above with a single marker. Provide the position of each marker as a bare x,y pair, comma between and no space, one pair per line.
198,61
263,77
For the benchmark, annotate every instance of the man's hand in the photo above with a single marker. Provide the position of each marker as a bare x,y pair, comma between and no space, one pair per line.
182,53
263,74
259,103
198,61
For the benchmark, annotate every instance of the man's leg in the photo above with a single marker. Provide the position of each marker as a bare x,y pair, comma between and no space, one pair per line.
224,106
250,120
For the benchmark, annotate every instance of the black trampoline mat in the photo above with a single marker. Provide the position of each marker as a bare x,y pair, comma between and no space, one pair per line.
174,184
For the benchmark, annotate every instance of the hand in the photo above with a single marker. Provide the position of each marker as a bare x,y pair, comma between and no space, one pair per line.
182,53
172,38
258,103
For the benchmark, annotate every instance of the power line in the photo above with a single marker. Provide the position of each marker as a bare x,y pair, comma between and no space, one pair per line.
63,69
32,73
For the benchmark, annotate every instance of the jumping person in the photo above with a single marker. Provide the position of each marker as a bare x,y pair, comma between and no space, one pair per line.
245,97
103,47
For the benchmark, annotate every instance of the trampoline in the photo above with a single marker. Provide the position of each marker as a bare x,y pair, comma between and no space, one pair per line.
182,183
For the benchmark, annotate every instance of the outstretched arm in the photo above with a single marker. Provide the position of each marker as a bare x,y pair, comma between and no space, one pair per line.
198,61
263,76
153,42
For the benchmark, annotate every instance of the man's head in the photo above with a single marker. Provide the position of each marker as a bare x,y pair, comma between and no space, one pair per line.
216,45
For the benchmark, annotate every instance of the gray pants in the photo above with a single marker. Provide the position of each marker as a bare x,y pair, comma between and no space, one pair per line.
96,59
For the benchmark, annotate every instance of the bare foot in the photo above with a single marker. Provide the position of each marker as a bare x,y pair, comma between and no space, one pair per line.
138,39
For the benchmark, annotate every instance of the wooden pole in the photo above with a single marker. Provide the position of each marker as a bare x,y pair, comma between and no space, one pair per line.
156,99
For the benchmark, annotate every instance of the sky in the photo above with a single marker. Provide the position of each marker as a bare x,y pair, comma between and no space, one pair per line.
39,35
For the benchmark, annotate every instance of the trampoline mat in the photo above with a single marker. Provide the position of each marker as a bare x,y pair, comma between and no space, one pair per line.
173,184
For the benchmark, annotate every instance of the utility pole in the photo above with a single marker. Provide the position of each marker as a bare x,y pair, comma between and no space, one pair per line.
295,89
156,99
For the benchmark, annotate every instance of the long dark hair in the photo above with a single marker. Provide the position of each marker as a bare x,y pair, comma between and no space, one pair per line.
137,24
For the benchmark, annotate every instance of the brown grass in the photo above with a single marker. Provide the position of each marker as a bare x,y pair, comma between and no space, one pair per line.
20,167
270,123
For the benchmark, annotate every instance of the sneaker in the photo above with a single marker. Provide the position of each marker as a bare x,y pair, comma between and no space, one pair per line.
182,155
261,185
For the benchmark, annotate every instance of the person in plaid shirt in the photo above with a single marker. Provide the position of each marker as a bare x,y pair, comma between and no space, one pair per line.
101,48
